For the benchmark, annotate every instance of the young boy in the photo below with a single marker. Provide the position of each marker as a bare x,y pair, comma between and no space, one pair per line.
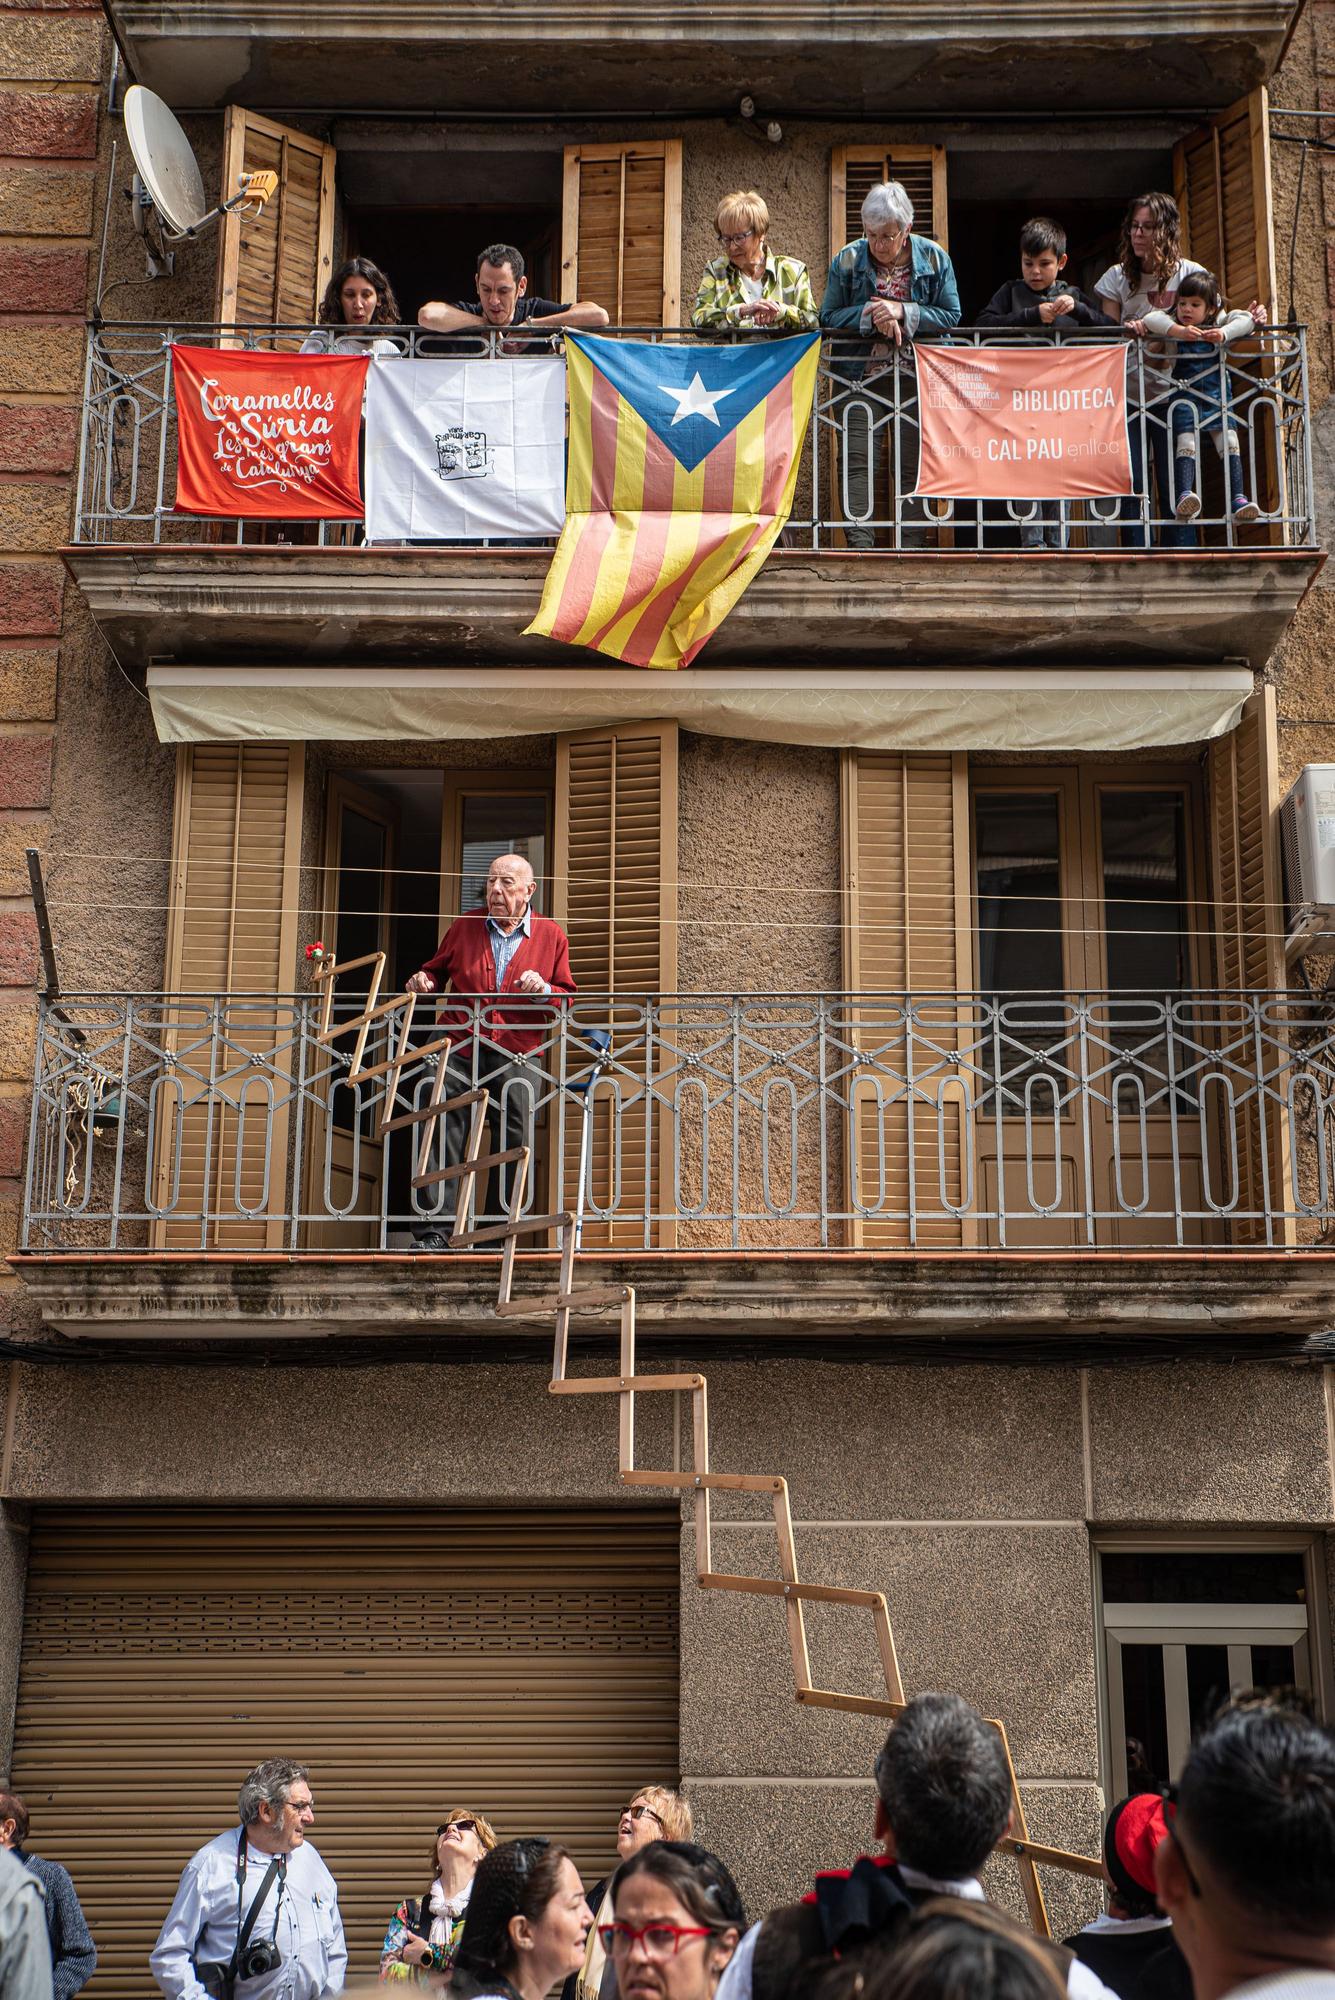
1200,389
1040,298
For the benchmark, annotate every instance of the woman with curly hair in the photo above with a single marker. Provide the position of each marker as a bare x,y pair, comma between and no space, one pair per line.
526,1924
1146,277
357,297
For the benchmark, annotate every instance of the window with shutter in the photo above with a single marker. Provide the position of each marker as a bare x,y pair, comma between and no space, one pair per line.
906,931
1249,955
274,267
621,231
855,169
1221,180
233,931
615,891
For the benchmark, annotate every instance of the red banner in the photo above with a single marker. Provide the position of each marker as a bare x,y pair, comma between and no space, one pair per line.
270,435
1026,423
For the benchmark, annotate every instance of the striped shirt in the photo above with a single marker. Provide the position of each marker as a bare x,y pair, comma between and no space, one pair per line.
504,945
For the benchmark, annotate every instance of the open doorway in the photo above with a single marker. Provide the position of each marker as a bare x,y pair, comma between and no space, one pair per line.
431,253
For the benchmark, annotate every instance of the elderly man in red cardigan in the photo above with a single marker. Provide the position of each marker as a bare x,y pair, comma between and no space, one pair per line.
508,950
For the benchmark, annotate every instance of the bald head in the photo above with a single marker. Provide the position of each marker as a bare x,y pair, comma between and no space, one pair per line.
510,886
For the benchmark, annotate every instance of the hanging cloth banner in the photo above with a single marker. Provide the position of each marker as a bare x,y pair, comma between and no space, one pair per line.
1022,423
268,436
462,451
683,462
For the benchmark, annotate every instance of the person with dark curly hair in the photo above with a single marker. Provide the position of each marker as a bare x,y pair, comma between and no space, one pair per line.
677,1918
949,1951
526,1924
357,297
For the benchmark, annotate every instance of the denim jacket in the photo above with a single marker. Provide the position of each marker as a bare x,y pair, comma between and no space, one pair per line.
933,303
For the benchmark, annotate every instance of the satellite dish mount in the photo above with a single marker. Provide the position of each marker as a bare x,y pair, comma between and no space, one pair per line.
167,200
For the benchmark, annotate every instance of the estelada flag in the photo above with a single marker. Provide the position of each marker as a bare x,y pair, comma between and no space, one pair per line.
1029,423
682,466
269,435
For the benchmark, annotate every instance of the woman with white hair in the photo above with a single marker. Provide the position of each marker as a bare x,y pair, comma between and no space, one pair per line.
748,288
889,286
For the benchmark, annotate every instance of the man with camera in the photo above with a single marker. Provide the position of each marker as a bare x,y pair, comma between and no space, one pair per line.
256,1914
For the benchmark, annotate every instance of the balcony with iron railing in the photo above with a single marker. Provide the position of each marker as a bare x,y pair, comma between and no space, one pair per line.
925,1160
932,581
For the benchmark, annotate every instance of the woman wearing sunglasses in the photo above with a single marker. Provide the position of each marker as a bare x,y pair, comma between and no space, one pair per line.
654,1813
677,1919
424,1933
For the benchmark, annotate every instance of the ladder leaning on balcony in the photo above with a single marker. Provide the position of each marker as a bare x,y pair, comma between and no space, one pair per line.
570,1299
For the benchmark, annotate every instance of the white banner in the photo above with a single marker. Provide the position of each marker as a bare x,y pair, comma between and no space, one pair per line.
464,450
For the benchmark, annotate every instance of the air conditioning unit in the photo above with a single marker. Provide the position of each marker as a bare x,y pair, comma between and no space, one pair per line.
1307,829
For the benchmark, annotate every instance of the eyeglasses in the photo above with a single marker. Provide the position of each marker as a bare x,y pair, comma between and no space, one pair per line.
1170,1822
464,1826
641,1812
301,1805
735,235
659,1940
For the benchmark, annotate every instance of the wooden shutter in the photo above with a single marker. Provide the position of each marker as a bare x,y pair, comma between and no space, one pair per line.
1221,179
854,169
1249,952
274,267
615,891
233,931
906,931
621,231
522,1662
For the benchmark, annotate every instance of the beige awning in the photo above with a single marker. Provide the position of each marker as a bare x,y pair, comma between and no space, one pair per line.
872,708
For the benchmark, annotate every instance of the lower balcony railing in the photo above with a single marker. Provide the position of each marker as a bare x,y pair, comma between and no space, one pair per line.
860,461
752,1122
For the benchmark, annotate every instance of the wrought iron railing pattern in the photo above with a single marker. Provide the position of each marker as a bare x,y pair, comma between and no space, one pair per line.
860,461
814,1120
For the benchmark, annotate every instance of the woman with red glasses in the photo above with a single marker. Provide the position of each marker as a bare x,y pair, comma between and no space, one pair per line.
678,1917
654,1813
423,1934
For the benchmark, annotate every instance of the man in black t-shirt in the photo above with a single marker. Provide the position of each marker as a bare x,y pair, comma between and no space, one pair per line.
503,300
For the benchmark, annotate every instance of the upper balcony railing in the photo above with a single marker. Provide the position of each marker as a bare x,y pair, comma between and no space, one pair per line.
928,1122
859,465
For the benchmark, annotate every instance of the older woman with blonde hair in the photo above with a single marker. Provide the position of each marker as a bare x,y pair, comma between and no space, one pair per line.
747,288
423,1935
654,1813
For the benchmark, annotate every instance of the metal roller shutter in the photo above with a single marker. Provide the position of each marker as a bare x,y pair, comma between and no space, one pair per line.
521,1663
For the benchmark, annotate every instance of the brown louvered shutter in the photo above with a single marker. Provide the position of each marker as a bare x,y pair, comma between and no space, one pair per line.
1221,179
274,267
906,931
1249,953
233,931
524,1663
621,231
855,169
616,894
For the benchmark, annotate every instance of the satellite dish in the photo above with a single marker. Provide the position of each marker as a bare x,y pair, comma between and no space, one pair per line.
165,162
169,204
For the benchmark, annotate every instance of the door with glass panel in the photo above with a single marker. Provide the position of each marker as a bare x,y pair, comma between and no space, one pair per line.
1183,1631
1086,933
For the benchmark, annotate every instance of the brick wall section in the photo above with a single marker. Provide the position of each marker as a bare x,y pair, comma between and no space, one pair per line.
52,56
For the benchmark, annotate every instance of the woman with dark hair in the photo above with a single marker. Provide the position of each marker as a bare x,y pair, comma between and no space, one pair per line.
951,1950
423,1936
526,1924
677,1919
358,296
1149,269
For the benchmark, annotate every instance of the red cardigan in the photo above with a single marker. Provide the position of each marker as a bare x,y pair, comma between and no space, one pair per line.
463,957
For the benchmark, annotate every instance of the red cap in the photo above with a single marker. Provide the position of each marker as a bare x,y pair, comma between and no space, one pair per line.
1135,1829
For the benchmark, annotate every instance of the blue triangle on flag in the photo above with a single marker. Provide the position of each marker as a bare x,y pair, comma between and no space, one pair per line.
691,397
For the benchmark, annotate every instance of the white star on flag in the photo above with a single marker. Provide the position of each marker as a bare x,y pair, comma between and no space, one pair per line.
696,401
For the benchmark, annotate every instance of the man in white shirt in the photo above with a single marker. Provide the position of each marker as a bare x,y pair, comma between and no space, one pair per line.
1247,1872
291,1947
943,1802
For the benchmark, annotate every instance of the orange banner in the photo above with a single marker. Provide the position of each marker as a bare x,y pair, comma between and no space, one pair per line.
1027,423
269,435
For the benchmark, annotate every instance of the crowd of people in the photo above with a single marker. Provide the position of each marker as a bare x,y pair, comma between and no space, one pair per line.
1218,1886
892,286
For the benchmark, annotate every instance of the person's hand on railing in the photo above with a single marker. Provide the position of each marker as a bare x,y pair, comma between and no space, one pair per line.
887,316
421,982
532,982
1051,309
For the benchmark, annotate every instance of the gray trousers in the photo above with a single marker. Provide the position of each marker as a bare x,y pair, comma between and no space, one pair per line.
510,1118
